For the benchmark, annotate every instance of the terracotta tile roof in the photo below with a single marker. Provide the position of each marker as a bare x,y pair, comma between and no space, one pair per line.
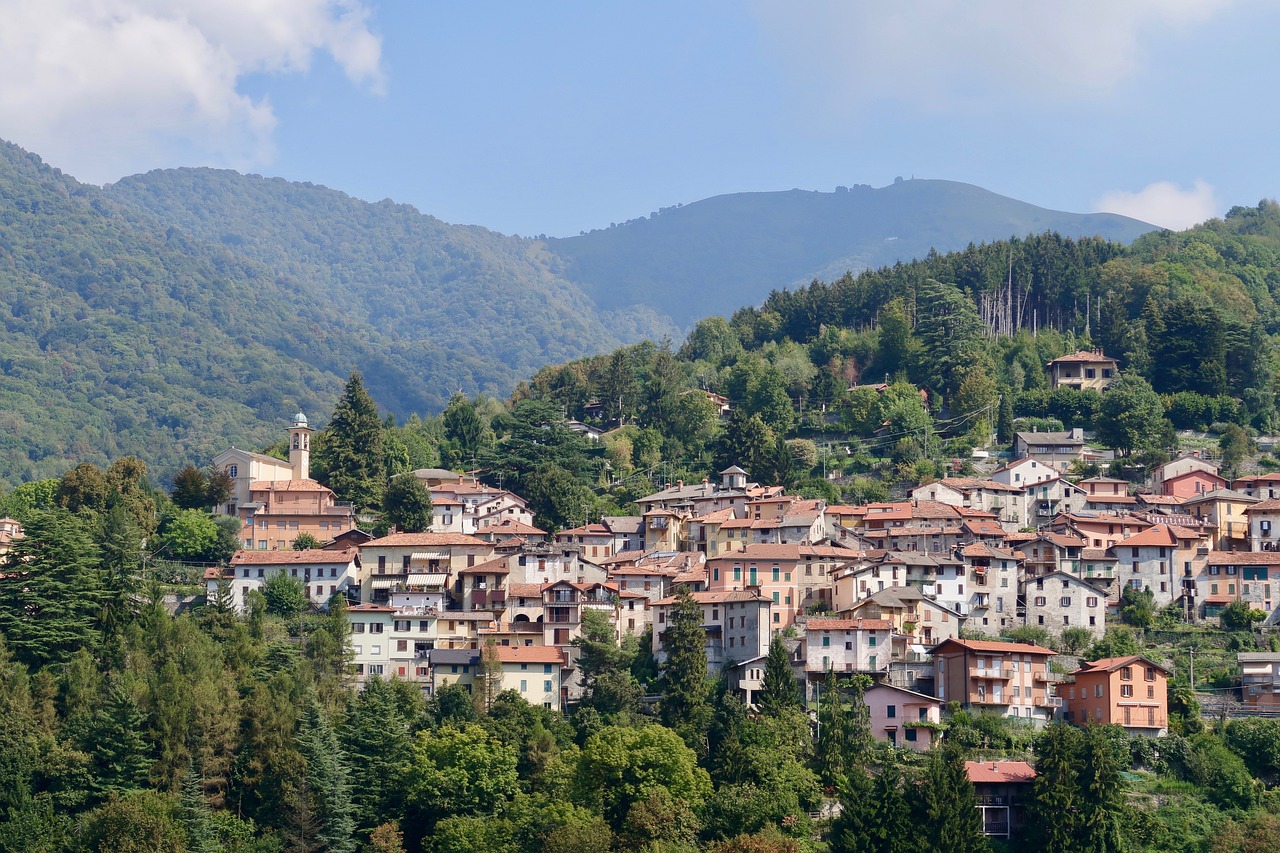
1244,558
845,510
530,654
848,625
717,517
718,597
762,552
1269,505
982,549
370,608
975,513
510,526
311,556
524,590
978,483
996,647
984,528
588,530
999,772
425,540
1112,664
1167,535
1162,500
1062,540
1096,554
488,567
287,486
835,551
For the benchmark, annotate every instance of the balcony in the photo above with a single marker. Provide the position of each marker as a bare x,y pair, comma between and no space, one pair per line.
1050,677
1003,673
1050,702
982,698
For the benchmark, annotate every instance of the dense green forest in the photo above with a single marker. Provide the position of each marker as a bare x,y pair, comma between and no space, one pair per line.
714,255
1192,318
129,329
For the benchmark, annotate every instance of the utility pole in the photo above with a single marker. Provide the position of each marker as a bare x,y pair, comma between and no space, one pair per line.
1192,652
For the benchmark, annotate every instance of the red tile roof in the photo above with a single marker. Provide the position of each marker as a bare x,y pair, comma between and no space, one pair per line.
849,625
995,646
311,556
425,540
530,654
999,772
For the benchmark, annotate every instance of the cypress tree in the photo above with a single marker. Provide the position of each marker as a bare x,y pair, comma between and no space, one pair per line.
682,678
1054,814
891,829
1004,419
1101,800
781,690
328,781
352,447
947,807
833,732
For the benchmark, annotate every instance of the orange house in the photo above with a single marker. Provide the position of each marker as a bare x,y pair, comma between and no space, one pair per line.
1011,679
1130,691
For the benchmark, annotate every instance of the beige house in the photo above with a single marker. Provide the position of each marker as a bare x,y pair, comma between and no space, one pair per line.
1084,370
1226,511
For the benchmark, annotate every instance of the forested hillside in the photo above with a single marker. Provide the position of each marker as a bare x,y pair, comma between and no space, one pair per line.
168,331
715,255
1191,316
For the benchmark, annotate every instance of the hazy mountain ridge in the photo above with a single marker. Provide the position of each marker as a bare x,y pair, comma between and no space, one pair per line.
718,254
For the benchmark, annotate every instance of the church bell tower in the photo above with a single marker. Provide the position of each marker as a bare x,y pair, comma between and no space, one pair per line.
300,447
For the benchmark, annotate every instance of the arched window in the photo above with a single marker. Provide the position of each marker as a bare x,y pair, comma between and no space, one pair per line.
233,471
295,441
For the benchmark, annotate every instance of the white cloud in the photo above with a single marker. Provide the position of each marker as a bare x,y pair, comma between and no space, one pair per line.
951,54
105,88
1164,203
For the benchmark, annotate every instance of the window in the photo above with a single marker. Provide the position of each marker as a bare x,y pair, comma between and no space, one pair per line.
911,735
546,686
1097,691
891,711
357,627
871,641
375,627
1064,602
1040,601
1126,673
382,563
1091,601
826,641
1126,691
524,686
1150,674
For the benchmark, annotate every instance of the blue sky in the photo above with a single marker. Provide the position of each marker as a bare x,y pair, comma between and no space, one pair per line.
554,118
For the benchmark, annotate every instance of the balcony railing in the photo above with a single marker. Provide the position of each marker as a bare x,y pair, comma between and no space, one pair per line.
993,672
1050,677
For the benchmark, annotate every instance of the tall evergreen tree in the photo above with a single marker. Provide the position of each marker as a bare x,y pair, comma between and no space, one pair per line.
462,426
682,679
1101,799
781,690
1004,420
352,447
197,816
947,807
891,829
1054,813
375,735
328,781
51,607
120,755
833,731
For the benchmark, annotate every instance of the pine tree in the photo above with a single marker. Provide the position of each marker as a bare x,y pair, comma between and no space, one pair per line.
1054,813
682,679
1004,420
781,690
121,559
833,731
376,737
121,758
328,781
352,447
947,807
55,610
891,829
197,816
1101,800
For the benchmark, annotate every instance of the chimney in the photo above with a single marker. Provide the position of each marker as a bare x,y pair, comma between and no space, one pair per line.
679,484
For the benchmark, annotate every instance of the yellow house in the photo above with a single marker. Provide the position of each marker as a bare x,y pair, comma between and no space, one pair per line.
1084,370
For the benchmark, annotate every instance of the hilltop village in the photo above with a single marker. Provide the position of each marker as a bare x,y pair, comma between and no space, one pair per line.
789,673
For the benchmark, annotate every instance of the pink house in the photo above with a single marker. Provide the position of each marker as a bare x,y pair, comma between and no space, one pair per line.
903,717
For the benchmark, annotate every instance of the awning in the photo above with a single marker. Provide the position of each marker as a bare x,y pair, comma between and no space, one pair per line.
386,583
